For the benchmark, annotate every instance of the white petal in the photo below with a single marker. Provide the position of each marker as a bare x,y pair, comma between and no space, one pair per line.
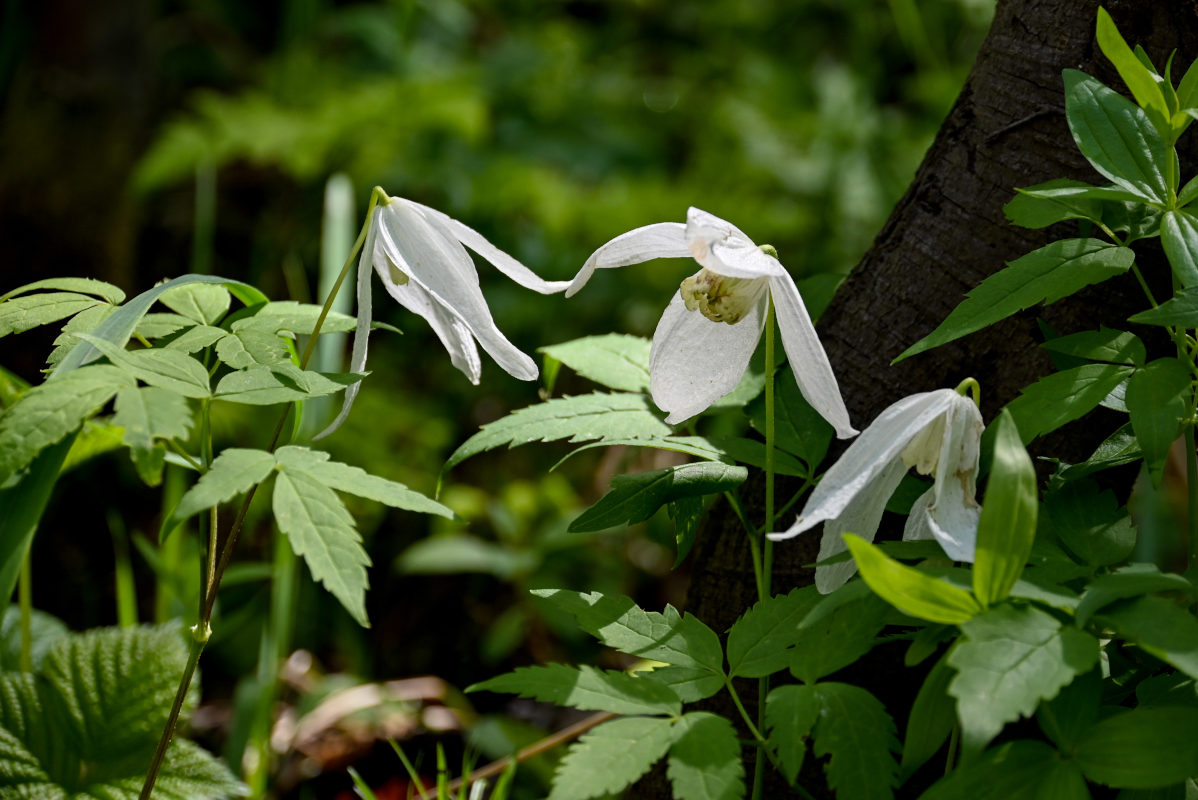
442,267
693,361
867,457
807,358
951,521
502,261
960,449
660,240
723,248
861,518
919,520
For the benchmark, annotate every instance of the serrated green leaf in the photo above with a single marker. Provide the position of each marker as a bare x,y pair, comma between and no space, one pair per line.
798,428
1159,627
1104,344
49,412
233,472
1007,525
691,684
1130,581
1138,78
1042,276
1116,137
1020,770
836,633
1120,448
149,412
290,316
1009,660
621,624
1158,399
758,642
1063,397
1179,236
251,347
611,756
704,762
29,311
790,714
578,419
168,369
855,730
322,532
1180,310
1066,718
614,360
106,291
1055,201
83,322
635,498
266,386
587,688
46,629
933,715
159,325
356,481
195,338
909,590
1143,748
1089,522
204,303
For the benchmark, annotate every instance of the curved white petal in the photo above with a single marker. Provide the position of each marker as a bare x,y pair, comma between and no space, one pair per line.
807,358
659,240
723,248
693,361
867,457
437,262
502,261
919,521
951,521
861,518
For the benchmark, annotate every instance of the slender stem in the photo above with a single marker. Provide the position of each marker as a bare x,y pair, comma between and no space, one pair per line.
1192,490
25,599
193,658
765,578
183,454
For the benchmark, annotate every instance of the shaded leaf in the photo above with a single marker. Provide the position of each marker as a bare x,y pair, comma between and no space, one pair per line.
1180,310
1179,236
933,715
167,369
1089,522
758,642
1104,344
635,498
798,428
1007,525
610,757
704,762
790,714
1020,770
1159,627
1130,581
1158,399
1063,397
855,730
587,688
691,684
1143,748
839,630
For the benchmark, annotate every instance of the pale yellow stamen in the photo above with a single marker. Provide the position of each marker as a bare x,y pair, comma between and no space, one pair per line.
719,298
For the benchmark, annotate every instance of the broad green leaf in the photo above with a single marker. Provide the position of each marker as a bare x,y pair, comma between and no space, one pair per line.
1007,525
836,633
461,552
635,498
798,428
160,325
759,642
1189,192
47,413
1042,276
1138,78
1057,200
752,453
578,419
1159,626
691,684
704,762
265,386
855,730
287,315
1116,137
587,688
356,481
29,311
1111,346
1130,581
148,412
204,303
1187,89
250,348
322,532
933,715
790,715
105,291
1019,770
1063,397
610,757
909,590
619,623
21,505
46,630
614,360
195,339
1089,522
1180,310
1009,660
1179,236
235,471
1143,748
167,369
1158,399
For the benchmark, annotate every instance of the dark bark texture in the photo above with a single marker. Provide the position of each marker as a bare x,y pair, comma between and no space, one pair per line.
1006,129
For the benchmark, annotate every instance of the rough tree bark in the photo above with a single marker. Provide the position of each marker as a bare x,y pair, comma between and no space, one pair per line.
1006,129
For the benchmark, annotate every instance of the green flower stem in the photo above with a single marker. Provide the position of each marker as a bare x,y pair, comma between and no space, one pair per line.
25,599
756,733
203,628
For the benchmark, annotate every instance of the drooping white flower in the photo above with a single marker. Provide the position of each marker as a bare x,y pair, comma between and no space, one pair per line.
711,327
420,257
938,433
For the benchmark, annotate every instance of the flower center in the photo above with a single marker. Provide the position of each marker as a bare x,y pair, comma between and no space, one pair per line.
719,298
923,452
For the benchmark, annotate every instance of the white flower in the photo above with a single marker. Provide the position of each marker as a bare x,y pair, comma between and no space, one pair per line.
938,433
710,329
418,255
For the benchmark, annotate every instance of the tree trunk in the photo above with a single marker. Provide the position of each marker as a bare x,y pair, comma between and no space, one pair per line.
1006,129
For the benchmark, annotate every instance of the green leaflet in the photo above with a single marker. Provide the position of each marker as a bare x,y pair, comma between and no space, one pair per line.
611,756
581,418
855,730
235,471
204,303
287,315
168,369
1066,718
587,688
1042,276
1121,447
21,506
687,513
1180,310
909,590
23,313
798,428
1020,770
1116,137
1179,236
250,348
839,630
1143,748
691,684
1089,522
619,623
160,325
1160,627
194,338
790,714
1057,200
759,642
280,383
106,291
1104,344
933,715
1158,399
1063,397
635,498
615,360
1008,661
704,762
1007,525
356,481
1138,78
148,413
1130,581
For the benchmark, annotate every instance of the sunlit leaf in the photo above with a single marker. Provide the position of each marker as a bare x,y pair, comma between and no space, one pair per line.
587,688
614,360
1007,525
611,756
636,497
909,590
